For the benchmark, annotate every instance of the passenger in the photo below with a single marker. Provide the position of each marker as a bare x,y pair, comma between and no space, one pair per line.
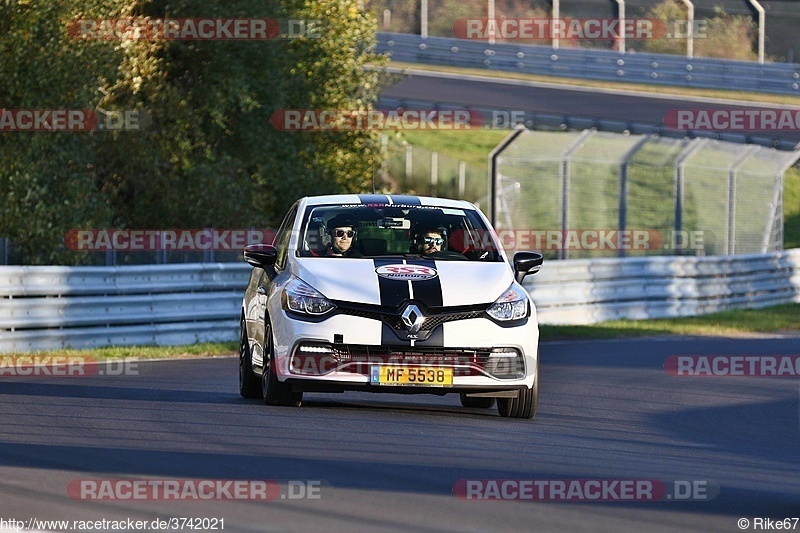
431,240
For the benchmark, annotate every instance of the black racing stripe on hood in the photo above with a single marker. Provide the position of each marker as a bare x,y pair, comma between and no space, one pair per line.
406,200
390,337
373,198
428,291
436,339
392,292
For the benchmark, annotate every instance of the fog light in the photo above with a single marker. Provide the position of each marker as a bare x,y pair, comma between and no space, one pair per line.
505,363
314,360
315,349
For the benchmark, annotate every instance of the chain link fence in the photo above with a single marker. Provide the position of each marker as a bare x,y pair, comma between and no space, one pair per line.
598,194
417,170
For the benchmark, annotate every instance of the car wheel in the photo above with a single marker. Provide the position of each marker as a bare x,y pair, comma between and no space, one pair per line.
524,405
249,384
273,391
478,403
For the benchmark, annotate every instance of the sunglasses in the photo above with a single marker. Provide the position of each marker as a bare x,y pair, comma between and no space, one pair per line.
430,241
341,233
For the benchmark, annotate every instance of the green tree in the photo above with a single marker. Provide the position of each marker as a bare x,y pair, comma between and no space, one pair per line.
208,156
723,36
728,37
47,182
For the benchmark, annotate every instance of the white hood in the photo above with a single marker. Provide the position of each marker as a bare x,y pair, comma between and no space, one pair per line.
355,280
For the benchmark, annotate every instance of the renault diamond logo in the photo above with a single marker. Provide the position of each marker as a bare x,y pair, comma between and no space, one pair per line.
412,318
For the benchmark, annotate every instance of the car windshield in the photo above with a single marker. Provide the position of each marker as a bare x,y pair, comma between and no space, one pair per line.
358,230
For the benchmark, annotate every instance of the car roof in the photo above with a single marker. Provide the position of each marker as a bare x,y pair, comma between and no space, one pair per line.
386,199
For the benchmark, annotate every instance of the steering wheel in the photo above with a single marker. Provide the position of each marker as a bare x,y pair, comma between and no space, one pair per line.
447,254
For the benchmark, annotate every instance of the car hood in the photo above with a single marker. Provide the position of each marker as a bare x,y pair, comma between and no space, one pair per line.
433,283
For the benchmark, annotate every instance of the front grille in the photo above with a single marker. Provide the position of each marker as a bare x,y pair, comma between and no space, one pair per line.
391,317
436,320
406,355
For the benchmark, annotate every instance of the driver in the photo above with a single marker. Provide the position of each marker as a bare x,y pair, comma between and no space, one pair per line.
343,230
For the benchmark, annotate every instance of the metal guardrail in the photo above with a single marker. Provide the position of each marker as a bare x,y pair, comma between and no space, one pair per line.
586,291
29,281
45,308
637,67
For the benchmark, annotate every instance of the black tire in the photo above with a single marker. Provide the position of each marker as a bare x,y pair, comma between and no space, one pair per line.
477,403
273,391
249,384
525,404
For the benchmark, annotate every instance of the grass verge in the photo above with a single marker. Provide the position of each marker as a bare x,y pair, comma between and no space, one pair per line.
470,146
208,349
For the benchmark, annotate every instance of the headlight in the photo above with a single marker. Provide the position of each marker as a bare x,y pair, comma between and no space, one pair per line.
512,305
300,297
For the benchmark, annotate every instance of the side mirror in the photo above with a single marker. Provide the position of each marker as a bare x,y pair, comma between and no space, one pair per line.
526,263
261,255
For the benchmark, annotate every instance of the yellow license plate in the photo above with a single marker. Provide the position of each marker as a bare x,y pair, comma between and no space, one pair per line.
428,376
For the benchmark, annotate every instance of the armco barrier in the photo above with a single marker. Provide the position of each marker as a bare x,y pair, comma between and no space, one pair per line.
637,67
57,307
586,291
45,308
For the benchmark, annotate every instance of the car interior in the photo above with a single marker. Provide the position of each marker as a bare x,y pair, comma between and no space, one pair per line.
391,231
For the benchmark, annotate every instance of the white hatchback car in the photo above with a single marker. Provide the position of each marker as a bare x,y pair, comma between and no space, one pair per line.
397,294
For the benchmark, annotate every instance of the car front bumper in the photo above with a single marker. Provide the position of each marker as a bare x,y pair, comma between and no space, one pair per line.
339,353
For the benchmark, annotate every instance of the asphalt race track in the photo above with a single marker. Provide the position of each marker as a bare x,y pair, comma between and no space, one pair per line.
608,411
597,104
